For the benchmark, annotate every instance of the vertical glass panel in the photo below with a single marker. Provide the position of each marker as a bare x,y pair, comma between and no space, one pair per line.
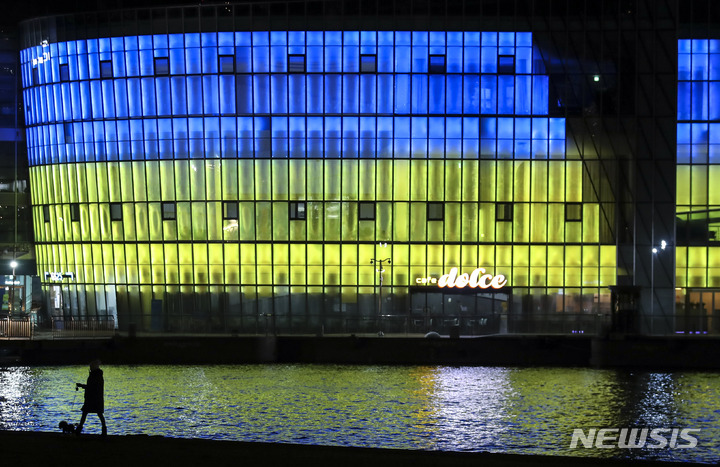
333,93
436,180
436,98
402,93
296,93
350,93
278,93
349,232
471,94
367,179
385,94
454,101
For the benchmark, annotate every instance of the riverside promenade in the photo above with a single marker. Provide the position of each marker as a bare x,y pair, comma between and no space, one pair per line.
55,449
681,352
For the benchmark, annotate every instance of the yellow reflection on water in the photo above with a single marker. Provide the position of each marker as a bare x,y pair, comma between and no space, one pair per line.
517,410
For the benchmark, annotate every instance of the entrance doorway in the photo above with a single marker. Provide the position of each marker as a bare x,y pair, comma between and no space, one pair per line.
467,312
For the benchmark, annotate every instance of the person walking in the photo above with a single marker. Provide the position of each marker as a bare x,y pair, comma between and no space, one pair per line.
94,397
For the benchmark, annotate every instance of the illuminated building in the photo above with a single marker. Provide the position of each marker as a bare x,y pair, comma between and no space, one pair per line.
698,194
239,167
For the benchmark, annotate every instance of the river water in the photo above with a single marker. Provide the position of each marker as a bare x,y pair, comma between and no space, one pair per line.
513,410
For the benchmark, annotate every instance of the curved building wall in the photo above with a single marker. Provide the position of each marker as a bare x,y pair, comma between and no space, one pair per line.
245,181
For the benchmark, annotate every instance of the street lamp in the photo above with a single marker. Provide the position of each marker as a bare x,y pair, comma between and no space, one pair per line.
380,268
13,265
655,251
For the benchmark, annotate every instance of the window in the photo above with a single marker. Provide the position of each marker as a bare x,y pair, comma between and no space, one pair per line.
506,64
366,211
162,66
106,70
68,132
573,212
435,211
75,212
297,210
35,76
168,211
503,212
368,63
46,213
64,72
115,212
437,64
296,63
230,210
226,63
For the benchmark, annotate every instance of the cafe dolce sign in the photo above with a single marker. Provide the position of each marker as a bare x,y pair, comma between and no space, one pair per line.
478,278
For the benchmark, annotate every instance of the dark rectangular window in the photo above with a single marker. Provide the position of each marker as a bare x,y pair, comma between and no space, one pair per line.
35,76
296,63
368,63
366,211
573,212
116,212
106,70
230,210
162,66
68,133
437,64
46,213
435,211
297,210
226,63
503,212
168,211
64,72
506,64
75,212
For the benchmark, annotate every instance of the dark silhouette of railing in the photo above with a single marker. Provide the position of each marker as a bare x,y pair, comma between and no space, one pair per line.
15,328
72,327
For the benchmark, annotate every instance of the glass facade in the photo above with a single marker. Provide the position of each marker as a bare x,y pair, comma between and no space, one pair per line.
169,172
16,228
698,198
254,175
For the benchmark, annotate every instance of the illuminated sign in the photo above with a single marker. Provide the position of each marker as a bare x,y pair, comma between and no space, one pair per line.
59,276
426,280
45,56
476,279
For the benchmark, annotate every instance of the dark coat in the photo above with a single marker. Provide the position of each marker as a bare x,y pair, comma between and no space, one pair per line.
94,389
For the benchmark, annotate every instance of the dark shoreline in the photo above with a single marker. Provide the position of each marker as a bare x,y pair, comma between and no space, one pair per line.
656,353
38,448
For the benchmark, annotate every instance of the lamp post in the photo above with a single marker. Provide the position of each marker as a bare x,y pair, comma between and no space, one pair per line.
655,251
379,267
11,307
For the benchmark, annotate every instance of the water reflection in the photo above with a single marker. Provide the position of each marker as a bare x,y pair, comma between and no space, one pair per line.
519,410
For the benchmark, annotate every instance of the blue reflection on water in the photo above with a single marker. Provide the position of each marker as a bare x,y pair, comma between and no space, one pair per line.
517,410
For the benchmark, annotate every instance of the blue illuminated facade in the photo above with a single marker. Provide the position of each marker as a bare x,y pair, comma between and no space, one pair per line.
366,94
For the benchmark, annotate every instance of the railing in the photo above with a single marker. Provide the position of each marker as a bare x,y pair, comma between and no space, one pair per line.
15,328
71,327
342,323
